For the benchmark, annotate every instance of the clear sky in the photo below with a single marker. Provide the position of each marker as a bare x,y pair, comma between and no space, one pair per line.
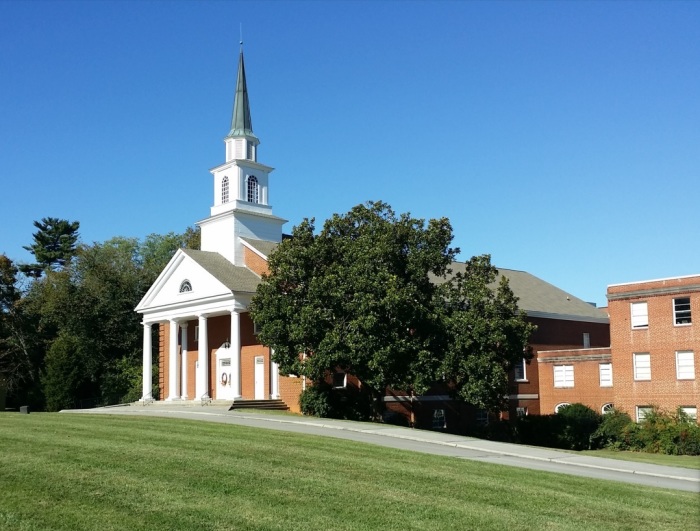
563,138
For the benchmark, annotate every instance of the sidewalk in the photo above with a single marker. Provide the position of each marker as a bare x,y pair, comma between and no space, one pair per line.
466,447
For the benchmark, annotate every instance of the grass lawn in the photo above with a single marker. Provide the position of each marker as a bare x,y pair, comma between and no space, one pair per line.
685,461
62,471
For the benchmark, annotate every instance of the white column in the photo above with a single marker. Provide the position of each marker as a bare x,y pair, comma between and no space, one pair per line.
203,387
236,353
274,378
147,363
173,365
183,370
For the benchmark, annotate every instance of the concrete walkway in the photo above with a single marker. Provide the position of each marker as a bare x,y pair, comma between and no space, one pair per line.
437,443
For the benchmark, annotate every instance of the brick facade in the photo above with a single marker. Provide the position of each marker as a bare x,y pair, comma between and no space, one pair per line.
254,262
661,338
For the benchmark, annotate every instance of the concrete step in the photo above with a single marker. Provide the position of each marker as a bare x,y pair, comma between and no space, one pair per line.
275,405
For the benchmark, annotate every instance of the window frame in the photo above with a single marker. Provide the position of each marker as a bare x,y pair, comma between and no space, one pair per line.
185,287
607,408
600,374
642,318
563,380
691,411
638,376
345,380
679,376
252,189
522,364
676,311
640,409
225,190
561,405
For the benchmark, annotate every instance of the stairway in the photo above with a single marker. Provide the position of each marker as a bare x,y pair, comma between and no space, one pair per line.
268,405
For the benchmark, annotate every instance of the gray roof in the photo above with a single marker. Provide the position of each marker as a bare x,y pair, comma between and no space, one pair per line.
541,299
241,123
262,246
235,278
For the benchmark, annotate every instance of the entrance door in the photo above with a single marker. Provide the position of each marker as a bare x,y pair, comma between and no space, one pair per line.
224,388
259,377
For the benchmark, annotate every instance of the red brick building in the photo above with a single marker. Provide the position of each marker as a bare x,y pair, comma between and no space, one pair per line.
651,361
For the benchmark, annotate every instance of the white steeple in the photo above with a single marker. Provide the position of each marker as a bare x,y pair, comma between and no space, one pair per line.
241,187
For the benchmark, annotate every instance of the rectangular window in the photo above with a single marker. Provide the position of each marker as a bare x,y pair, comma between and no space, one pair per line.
256,328
439,419
605,371
640,315
563,376
642,412
642,366
681,311
520,374
340,380
521,411
482,417
196,334
586,340
685,365
691,411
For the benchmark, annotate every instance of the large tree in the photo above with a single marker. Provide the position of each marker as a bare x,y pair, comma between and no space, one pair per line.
54,245
360,296
356,297
14,360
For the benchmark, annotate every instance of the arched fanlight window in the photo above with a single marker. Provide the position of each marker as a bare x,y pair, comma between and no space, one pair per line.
607,408
224,190
185,286
252,189
558,407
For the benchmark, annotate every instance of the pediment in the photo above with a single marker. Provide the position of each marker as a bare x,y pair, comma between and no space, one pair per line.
169,289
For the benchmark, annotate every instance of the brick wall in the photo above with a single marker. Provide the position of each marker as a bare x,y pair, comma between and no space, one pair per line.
586,387
254,262
662,338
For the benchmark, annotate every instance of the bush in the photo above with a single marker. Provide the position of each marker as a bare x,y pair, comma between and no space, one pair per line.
579,423
667,433
316,401
613,431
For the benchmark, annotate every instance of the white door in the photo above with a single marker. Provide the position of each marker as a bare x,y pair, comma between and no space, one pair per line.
224,388
259,377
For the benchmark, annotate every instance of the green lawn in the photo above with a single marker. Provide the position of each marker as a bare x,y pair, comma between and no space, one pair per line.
61,471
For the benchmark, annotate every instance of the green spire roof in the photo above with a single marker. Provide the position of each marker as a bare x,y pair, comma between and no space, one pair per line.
241,124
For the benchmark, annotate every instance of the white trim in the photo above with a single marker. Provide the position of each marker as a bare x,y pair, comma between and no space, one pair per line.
426,398
688,365
561,405
641,362
653,280
642,411
608,380
524,396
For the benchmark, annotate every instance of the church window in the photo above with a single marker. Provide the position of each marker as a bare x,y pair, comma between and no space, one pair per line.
252,189
224,190
185,286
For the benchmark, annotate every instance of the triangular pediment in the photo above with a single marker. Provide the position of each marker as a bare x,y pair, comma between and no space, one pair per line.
169,289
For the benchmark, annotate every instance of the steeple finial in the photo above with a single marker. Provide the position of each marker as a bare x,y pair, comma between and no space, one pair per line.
241,123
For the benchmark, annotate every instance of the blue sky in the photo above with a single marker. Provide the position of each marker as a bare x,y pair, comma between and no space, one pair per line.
563,138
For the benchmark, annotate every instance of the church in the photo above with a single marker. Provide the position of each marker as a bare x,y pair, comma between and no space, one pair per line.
207,346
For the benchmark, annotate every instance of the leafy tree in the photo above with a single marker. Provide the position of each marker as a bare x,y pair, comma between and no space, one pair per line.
361,297
14,362
54,245
485,332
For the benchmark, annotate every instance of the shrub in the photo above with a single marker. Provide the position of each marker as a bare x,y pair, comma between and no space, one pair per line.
579,422
613,431
316,401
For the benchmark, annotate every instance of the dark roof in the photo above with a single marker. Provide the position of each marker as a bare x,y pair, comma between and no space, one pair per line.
541,299
262,246
241,123
235,278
